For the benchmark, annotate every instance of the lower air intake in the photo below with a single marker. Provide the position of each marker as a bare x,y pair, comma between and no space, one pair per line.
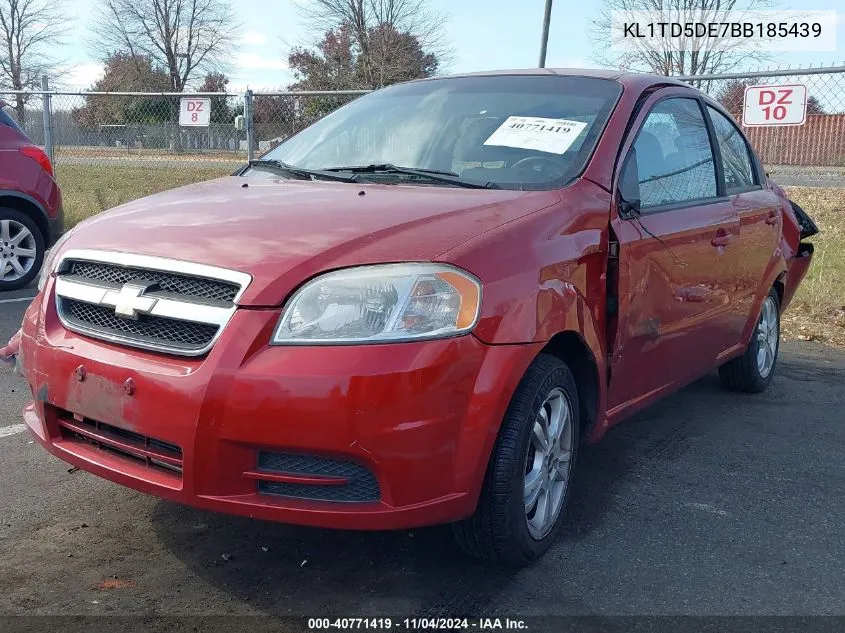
361,484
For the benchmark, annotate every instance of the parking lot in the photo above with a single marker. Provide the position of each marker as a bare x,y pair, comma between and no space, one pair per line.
707,503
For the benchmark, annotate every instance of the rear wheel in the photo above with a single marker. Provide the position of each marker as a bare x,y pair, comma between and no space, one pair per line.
21,249
520,510
752,372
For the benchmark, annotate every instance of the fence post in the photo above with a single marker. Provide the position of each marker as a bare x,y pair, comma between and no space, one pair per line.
250,132
47,115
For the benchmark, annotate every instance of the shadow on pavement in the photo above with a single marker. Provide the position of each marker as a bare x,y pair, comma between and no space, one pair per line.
288,570
300,571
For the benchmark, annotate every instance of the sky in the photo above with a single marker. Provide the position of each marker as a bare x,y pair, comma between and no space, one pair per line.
486,34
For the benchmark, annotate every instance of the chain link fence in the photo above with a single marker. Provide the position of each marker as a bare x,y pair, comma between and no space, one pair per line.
812,154
109,148
114,129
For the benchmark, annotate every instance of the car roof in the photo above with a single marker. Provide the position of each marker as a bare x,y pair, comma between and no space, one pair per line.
634,80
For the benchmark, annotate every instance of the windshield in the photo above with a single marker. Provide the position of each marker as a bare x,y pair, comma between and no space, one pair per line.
508,131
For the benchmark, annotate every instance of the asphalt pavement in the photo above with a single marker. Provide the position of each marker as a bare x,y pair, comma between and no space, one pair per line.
707,503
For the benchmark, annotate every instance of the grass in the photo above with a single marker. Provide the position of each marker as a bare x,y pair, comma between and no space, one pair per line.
90,189
818,309
817,312
167,155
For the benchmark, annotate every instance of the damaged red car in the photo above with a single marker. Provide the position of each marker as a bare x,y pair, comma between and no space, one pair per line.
417,309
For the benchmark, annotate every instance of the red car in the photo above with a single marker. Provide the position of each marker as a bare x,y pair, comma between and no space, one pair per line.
31,217
413,311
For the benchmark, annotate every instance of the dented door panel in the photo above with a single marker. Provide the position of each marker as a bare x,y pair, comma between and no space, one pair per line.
675,298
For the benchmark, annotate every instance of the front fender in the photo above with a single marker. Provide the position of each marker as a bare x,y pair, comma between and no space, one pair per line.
546,274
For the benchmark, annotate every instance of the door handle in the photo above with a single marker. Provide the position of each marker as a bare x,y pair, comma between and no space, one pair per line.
722,239
772,219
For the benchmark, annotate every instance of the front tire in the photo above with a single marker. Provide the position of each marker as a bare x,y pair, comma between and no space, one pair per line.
21,249
752,372
526,486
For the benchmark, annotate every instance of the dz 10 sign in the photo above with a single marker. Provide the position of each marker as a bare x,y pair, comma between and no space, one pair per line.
195,112
775,105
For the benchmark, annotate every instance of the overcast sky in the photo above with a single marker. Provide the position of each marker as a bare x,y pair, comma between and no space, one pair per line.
487,35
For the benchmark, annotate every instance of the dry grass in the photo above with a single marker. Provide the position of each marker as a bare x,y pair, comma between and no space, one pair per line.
89,189
127,153
817,312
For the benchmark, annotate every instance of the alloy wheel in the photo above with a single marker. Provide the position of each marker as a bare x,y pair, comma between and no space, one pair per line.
768,331
548,463
17,250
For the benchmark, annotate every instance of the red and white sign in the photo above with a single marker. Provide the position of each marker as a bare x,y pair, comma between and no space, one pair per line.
195,112
775,105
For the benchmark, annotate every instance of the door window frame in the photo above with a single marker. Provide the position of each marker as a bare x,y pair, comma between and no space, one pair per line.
640,116
756,171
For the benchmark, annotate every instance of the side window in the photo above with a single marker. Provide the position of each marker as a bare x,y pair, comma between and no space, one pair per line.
736,157
672,155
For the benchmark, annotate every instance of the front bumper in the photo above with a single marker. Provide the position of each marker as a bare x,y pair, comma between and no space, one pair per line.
421,417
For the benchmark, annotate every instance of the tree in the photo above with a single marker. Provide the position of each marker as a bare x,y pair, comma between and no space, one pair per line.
125,72
390,40
814,106
185,37
676,56
336,64
732,96
273,117
221,112
29,31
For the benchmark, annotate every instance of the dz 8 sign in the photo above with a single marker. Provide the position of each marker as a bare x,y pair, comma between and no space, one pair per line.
775,105
195,112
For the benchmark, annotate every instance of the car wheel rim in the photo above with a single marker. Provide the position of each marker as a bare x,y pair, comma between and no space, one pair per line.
548,463
17,250
768,332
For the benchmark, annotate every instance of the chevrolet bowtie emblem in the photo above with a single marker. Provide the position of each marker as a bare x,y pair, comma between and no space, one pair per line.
129,301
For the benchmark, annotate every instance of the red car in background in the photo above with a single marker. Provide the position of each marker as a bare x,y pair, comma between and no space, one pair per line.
31,217
413,311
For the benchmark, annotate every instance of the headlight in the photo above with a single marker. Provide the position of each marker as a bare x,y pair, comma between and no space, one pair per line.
50,261
375,304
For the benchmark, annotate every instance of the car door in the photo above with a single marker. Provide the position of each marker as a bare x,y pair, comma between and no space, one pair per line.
758,209
675,256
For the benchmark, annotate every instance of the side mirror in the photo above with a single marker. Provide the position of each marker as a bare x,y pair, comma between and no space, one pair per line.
240,123
629,188
3,104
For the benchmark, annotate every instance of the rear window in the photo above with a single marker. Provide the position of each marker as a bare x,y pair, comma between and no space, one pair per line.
8,121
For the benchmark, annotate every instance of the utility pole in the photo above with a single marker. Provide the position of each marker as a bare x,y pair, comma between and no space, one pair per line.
545,41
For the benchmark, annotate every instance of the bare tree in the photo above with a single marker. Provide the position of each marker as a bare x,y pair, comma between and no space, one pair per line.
29,30
188,38
383,32
694,55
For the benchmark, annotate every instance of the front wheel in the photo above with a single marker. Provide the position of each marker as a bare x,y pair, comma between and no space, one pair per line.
520,510
752,372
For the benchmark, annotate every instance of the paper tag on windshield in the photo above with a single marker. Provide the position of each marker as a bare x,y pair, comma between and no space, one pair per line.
544,135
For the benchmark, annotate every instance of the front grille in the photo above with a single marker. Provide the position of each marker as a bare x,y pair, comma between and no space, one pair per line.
362,484
155,303
140,449
187,286
153,330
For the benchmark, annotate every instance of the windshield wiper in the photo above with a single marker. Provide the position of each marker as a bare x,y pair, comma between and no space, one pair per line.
301,171
429,174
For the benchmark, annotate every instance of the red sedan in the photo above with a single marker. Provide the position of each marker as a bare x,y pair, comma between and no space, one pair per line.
415,310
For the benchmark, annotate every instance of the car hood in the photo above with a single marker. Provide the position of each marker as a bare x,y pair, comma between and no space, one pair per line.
284,231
